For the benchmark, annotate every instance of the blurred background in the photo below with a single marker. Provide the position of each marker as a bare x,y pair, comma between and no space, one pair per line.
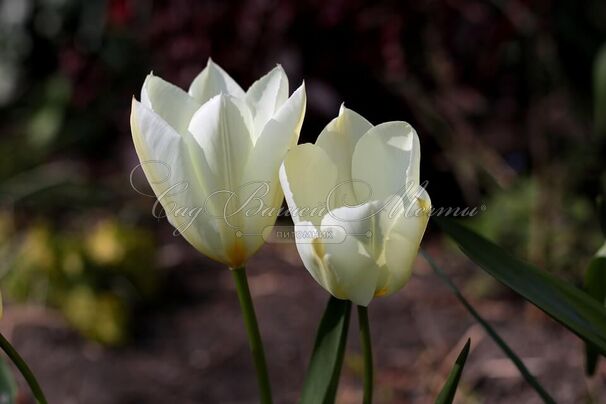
508,98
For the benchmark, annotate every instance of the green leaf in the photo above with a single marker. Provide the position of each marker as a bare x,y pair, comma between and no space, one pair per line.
595,285
570,306
490,331
26,372
450,387
599,82
8,386
322,378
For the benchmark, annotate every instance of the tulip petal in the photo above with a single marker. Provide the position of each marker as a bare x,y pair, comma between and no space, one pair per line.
384,160
364,222
307,176
173,104
338,139
212,81
344,269
280,133
260,184
354,268
222,129
167,166
312,254
266,96
402,244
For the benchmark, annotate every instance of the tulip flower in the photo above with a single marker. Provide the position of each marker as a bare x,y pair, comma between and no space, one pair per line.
363,243
212,155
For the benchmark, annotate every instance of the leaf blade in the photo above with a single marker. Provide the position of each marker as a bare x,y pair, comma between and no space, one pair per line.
322,378
447,394
565,303
515,359
595,285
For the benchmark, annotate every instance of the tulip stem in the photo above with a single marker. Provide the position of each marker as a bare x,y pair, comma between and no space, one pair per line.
254,337
14,356
367,352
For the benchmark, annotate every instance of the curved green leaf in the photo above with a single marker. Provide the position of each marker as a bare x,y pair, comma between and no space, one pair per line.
568,305
595,285
490,331
29,377
322,378
449,390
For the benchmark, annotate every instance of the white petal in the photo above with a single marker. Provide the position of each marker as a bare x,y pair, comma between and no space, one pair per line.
222,129
167,166
312,254
343,269
212,81
280,133
416,211
221,206
338,139
363,222
261,185
266,96
344,131
402,244
173,104
352,265
307,177
384,160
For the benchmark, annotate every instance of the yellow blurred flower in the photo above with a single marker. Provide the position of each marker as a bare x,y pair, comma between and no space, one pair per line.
104,245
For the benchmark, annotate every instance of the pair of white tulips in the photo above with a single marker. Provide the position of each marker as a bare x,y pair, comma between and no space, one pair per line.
216,156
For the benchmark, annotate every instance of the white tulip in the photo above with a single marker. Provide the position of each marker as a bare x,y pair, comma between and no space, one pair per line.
364,242
212,155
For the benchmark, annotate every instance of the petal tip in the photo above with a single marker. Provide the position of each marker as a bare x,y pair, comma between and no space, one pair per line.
134,103
301,89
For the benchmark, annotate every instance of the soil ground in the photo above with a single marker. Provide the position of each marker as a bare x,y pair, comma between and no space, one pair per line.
193,349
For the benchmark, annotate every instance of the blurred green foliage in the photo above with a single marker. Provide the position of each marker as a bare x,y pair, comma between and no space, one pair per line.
68,237
506,220
553,238
95,276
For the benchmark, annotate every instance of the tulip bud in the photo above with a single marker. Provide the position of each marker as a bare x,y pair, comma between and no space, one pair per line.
212,155
364,242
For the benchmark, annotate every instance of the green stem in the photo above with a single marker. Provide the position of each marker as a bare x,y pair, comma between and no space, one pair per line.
367,352
254,338
23,368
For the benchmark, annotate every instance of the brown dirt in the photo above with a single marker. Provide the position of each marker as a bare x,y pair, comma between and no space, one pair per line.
193,349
